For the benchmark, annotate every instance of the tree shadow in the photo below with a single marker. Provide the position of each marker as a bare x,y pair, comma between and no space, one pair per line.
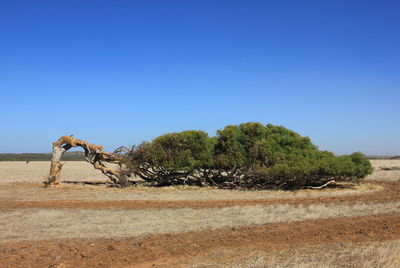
98,183
93,183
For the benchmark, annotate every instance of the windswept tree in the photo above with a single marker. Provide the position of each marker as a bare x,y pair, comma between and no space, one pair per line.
249,155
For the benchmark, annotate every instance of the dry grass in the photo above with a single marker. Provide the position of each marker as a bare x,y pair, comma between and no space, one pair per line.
68,192
378,254
38,224
35,172
385,175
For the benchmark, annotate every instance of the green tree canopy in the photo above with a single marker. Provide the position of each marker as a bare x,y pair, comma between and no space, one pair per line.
246,155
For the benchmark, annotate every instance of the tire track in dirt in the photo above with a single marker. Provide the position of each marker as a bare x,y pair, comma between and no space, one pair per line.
390,193
172,250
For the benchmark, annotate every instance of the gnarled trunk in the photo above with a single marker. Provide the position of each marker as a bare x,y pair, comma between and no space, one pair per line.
94,154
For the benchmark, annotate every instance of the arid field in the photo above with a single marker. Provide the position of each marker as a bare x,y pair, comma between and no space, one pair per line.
86,223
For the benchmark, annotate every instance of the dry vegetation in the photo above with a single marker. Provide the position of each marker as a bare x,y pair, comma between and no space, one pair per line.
385,175
37,171
32,231
77,174
79,192
37,224
378,254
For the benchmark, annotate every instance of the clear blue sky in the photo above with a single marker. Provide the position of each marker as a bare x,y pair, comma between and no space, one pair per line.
120,72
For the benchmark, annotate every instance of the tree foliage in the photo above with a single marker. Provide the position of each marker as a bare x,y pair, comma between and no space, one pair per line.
249,155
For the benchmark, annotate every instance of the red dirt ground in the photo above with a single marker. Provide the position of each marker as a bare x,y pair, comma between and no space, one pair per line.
173,250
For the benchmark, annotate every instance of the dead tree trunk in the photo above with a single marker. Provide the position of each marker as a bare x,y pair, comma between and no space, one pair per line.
94,154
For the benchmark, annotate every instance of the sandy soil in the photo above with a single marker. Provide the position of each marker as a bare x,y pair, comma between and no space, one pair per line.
80,225
184,249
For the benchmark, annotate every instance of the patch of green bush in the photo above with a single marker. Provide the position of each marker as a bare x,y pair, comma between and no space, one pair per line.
248,155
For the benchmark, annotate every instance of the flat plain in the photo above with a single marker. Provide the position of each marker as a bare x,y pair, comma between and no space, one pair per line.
86,223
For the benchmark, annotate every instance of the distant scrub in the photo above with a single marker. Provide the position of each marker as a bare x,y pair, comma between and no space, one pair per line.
248,155
68,156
